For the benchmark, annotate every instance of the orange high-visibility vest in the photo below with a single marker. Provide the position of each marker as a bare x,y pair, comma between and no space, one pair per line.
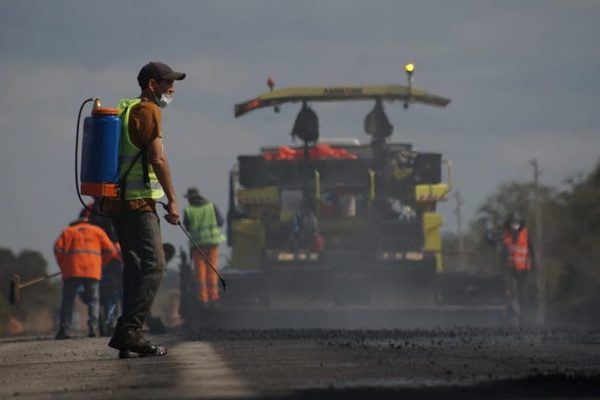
518,251
81,250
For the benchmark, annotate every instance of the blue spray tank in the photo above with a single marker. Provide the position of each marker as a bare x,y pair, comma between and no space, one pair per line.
100,152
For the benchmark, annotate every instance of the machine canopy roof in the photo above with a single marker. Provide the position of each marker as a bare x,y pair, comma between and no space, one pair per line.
339,93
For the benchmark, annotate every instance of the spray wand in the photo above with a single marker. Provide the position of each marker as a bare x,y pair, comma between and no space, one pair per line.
197,246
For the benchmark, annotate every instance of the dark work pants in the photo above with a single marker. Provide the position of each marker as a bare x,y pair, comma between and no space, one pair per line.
519,296
144,263
89,296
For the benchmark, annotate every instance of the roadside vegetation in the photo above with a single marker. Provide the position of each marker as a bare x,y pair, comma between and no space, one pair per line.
569,247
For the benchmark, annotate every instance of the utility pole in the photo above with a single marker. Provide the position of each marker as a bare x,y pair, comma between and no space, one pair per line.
459,235
540,267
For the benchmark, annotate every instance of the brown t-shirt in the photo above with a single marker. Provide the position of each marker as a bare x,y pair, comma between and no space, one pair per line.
144,123
144,126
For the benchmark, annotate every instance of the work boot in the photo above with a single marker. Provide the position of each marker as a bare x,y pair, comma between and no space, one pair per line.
62,334
160,351
128,340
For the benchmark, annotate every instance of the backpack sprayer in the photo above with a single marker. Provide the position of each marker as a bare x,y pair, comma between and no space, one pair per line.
100,174
99,154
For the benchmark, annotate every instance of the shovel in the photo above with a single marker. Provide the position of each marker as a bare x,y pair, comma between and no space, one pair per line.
14,293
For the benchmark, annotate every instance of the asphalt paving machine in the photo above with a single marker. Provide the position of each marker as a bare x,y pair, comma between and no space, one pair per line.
336,223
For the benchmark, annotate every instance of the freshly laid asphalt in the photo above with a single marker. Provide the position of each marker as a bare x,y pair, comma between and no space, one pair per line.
491,363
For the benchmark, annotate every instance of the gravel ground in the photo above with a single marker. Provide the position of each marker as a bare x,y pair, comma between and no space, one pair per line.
315,363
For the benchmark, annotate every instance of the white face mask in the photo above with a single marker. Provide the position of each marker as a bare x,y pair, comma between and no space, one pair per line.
164,100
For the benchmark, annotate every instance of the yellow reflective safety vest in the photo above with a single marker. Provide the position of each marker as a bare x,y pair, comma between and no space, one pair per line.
201,222
138,180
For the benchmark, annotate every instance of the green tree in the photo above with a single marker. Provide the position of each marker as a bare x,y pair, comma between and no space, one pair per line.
576,246
511,197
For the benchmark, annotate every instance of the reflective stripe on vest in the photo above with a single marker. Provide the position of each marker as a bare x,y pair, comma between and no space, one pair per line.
134,184
518,252
202,224
79,251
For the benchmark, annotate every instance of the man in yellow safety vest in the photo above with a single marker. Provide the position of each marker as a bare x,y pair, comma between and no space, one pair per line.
145,177
203,221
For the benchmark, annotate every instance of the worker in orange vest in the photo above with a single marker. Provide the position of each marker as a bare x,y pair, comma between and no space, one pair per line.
80,251
518,258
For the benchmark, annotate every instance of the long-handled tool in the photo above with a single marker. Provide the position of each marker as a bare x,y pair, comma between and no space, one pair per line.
14,293
202,254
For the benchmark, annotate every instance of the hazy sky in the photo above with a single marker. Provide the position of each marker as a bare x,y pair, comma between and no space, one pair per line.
523,77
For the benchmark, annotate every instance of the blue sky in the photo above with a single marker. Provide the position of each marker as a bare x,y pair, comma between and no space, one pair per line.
523,79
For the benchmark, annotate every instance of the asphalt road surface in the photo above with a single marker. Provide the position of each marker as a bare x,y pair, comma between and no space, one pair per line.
317,364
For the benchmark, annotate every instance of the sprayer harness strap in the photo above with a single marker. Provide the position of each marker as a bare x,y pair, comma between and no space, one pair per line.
145,167
123,179
145,171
